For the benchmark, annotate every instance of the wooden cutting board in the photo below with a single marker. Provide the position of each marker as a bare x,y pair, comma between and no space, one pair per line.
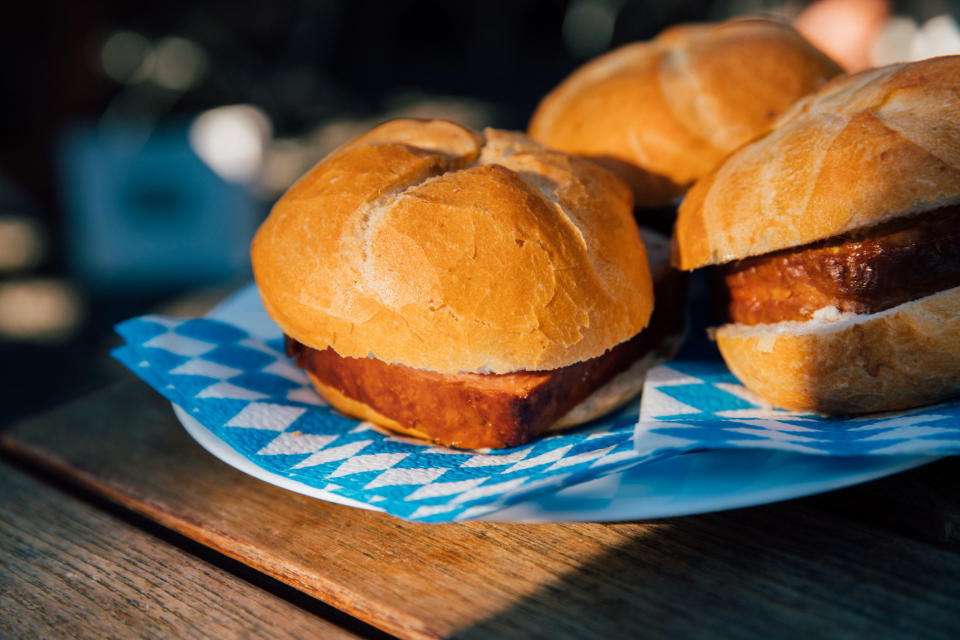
787,570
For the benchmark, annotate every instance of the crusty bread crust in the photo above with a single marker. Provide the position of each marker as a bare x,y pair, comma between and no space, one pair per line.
865,149
903,357
665,112
426,244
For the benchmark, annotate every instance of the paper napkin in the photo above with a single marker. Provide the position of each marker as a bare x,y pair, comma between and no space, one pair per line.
701,405
250,396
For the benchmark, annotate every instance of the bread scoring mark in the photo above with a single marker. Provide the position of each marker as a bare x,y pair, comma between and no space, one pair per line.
516,158
842,97
368,217
498,149
761,162
923,134
372,251
707,125
633,141
830,122
595,72
548,192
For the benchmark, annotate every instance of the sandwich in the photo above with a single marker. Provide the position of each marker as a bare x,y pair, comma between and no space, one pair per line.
837,243
665,112
471,289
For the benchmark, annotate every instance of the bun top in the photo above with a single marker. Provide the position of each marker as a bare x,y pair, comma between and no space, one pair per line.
867,148
426,244
665,112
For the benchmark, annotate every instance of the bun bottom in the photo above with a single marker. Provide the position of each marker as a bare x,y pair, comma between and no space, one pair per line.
356,409
614,394
841,364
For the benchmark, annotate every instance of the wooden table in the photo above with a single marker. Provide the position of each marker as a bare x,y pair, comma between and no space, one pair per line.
114,523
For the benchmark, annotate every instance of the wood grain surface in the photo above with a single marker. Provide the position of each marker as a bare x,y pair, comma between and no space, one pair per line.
68,570
792,570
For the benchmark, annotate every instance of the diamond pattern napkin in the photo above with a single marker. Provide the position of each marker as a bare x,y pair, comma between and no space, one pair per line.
249,395
701,405
246,393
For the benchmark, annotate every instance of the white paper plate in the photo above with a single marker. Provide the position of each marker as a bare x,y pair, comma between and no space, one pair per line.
682,485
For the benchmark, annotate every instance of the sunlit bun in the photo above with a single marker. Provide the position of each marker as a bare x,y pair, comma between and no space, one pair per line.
665,112
867,148
902,357
426,244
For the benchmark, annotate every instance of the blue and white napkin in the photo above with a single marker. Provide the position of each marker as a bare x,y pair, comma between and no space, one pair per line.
700,405
249,395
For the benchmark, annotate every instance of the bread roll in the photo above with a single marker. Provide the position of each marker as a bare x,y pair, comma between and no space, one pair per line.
867,148
665,112
429,245
903,357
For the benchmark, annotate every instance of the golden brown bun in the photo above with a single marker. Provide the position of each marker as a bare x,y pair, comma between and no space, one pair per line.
665,112
906,356
426,244
866,148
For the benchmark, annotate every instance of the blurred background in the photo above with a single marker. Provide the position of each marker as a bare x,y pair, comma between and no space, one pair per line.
142,143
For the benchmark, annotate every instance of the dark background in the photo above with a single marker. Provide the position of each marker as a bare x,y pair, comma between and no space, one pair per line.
318,70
